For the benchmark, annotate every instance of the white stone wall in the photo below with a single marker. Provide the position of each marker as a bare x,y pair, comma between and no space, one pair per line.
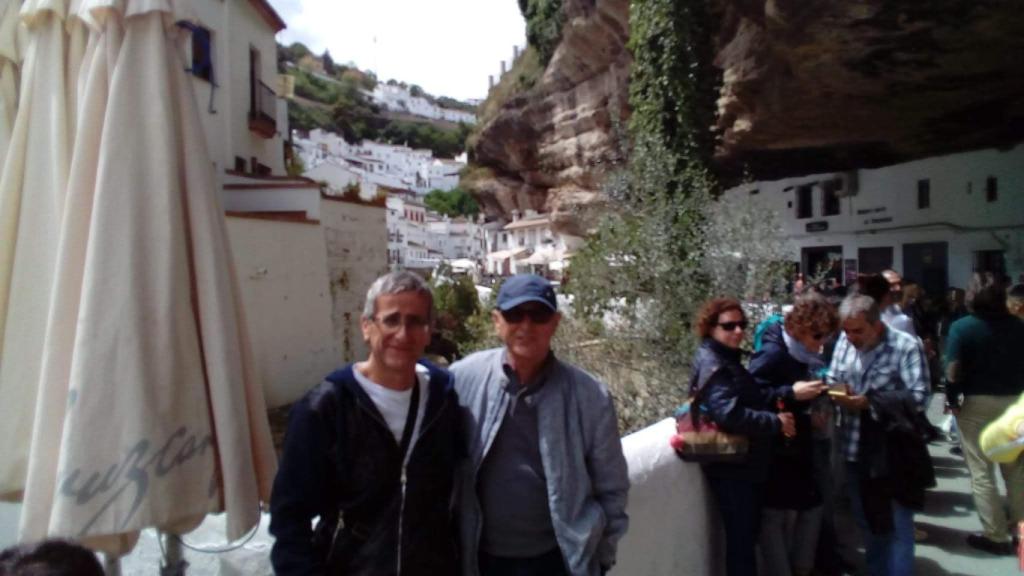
282,273
356,240
884,210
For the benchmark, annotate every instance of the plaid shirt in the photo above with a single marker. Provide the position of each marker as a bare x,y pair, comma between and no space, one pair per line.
896,363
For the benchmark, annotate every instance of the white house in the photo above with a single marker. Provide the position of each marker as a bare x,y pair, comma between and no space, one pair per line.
233,63
935,220
381,164
398,99
527,244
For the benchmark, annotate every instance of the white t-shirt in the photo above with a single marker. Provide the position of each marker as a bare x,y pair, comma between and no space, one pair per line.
394,404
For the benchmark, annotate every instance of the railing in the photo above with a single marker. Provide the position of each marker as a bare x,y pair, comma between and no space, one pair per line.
262,109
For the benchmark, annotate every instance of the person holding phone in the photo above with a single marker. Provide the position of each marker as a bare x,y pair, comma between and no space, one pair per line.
786,364
881,434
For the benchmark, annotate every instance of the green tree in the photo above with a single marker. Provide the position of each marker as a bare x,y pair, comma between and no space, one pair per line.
544,20
328,63
454,202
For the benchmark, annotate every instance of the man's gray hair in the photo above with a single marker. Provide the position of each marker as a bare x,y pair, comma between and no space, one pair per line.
396,283
857,304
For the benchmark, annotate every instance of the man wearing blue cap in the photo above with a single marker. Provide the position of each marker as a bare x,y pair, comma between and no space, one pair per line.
544,488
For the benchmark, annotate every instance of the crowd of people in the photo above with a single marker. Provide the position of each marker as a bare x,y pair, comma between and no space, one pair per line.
833,403
509,462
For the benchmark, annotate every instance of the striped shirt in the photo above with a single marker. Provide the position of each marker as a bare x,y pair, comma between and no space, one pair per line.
896,363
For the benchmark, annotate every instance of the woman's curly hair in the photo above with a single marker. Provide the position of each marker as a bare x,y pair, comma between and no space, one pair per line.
707,318
812,314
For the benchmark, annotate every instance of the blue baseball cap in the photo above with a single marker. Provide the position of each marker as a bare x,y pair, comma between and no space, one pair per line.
523,288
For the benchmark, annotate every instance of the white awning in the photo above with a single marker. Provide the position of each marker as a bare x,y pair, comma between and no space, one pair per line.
506,254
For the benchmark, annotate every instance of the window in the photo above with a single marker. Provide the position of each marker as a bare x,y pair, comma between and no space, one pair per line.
924,194
991,189
803,202
202,54
830,196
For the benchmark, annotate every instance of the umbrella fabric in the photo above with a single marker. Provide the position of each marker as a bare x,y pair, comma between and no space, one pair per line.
9,62
97,64
163,419
32,189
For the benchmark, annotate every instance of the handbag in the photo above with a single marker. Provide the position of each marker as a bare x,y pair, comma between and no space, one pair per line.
699,439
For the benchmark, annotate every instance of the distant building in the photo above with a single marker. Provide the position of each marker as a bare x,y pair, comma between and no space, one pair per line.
935,220
527,244
380,164
398,99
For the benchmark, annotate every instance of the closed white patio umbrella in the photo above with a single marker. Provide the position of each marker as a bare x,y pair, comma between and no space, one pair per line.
148,411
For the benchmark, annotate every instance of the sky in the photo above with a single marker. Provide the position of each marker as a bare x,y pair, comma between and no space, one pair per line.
447,47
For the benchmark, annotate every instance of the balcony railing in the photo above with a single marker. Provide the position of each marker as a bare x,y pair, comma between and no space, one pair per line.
263,110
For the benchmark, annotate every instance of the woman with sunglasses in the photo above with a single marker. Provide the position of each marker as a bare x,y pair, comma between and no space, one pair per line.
734,401
786,365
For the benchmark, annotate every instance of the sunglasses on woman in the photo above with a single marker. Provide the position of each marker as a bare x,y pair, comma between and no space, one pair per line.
730,326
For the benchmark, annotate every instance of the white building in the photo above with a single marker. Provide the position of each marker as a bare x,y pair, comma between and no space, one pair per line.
304,262
380,164
233,56
935,220
398,99
457,238
527,244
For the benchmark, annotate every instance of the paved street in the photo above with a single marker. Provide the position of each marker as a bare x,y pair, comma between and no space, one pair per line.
948,519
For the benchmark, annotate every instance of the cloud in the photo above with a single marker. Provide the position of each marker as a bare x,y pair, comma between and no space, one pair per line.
448,47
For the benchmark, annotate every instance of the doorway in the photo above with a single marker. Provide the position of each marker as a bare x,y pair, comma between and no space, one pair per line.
874,260
927,263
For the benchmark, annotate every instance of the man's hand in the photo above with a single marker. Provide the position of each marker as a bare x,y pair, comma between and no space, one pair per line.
788,424
852,403
808,390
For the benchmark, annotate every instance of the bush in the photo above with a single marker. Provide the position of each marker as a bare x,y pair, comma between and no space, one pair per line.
454,202
544,20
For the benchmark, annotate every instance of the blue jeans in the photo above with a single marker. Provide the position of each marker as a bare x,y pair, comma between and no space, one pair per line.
889,554
739,504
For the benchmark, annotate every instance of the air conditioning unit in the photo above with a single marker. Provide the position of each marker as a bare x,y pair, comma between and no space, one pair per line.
849,185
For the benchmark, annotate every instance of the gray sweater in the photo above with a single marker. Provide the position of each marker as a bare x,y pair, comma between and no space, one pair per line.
587,479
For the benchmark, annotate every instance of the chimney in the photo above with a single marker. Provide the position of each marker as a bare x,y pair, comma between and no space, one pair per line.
502,67
490,82
515,53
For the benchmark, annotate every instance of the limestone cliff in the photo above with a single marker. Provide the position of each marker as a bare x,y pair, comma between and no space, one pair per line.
807,85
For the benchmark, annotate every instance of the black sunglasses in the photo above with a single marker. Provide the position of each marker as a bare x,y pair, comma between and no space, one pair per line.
538,315
730,326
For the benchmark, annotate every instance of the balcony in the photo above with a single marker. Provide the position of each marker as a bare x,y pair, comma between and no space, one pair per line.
262,110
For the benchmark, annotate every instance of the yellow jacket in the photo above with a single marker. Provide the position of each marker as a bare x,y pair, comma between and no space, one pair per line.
1003,431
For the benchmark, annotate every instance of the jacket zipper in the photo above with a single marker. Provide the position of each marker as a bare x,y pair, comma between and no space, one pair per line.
404,479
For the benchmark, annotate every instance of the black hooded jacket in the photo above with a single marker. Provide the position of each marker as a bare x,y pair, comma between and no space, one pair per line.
341,464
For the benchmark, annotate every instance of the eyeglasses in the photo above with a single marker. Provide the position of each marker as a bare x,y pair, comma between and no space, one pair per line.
394,322
539,315
730,326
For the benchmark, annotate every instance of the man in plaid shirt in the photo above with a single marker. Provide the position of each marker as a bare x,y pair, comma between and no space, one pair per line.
871,357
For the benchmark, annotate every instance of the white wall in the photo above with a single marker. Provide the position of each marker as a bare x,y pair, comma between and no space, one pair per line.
884,210
356,239
235,26
282,272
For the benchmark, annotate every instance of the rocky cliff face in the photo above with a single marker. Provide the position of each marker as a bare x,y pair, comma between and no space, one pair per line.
807,85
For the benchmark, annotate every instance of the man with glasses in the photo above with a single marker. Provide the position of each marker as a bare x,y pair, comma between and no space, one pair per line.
544,490
887,464
371,452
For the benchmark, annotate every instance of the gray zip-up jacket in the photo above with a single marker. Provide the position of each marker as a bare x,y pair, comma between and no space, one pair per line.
580,450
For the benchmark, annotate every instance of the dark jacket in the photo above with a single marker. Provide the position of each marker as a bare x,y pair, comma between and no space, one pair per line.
736,404
893,457
792,482
340,457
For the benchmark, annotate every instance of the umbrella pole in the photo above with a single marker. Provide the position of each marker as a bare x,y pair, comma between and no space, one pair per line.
174,563
111,565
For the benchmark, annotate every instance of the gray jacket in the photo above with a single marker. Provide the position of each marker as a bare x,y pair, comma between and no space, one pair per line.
580,450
